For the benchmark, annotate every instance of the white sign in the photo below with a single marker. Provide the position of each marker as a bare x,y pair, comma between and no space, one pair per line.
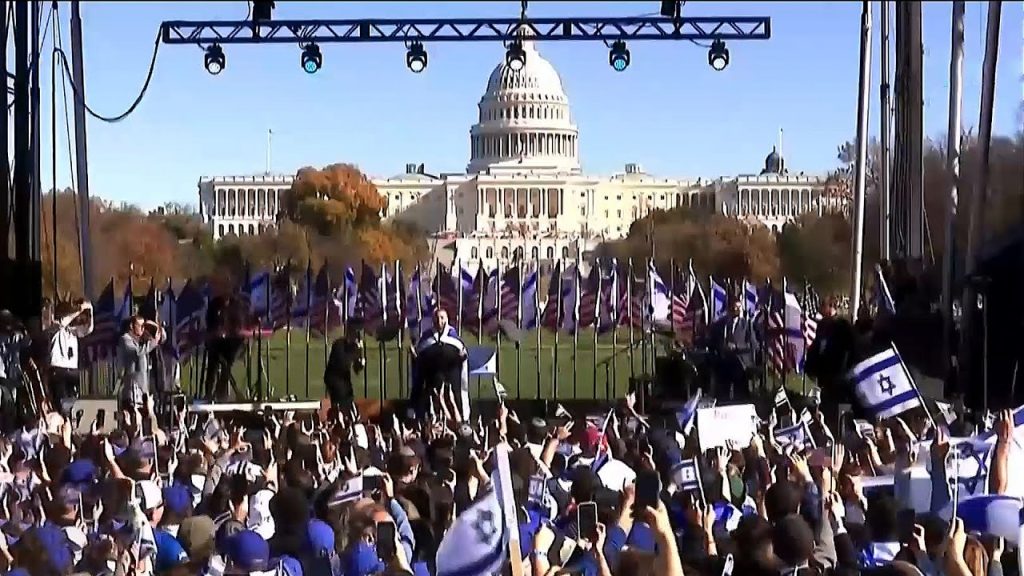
724,424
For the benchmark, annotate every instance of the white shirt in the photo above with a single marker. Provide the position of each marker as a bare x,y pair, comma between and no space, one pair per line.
64,342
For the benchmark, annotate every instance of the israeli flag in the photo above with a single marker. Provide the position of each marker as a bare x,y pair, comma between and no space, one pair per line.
993,515
749,299
477,542
883,385
687,414
797,435
686,475
719,300
483,361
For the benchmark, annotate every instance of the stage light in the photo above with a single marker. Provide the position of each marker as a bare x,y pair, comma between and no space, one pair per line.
618,56
214,59
670,9
262,10
312,59
718,55
515,57
416,57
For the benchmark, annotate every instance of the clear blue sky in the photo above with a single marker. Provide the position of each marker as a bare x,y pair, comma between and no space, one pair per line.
669,111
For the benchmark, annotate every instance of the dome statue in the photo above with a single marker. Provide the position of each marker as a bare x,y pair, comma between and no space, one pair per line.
524,121
774,163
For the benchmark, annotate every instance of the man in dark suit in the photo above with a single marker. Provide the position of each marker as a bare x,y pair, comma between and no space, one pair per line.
345,359
735,344
829,358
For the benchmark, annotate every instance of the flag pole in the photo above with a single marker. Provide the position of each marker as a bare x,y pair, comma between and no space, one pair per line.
614,301
575,329
497,310
559,312
382,351
327,310
597,322
519,264
629,316
538,322
913,382
361,305
287,335
399,308
414,335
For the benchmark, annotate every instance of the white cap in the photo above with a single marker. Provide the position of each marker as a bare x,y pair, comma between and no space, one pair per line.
149,494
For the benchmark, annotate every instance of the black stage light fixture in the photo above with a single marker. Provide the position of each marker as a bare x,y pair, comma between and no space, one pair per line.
718,55
671,8
618,56
262,10
214,59
312,59
515,57
416,57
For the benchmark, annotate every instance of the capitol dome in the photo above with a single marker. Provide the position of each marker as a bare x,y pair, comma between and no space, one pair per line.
524,122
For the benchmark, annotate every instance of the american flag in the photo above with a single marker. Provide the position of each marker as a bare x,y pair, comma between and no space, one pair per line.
811,316
492,301
189,317
447,294
608,313
631,299
324,307
776,332
589,295
472,287
369,302
97,345
419,306
682,317
551,318
509,307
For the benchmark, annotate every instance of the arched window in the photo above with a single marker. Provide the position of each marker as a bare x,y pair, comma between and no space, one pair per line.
551,252
565,251
231,228
252,229
535,253
220,230
474,253
504,252
517,254
490,252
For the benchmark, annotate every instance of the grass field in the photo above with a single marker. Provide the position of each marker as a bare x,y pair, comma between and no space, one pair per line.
600,370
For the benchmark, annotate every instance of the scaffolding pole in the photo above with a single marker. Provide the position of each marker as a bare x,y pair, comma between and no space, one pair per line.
956,96
863,104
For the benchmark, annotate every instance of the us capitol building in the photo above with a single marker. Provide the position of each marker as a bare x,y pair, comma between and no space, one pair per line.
524,192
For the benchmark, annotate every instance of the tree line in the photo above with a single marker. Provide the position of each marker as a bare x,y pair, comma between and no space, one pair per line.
818,249
331,216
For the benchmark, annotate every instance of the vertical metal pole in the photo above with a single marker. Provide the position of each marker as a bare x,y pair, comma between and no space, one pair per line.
22,128
956,96
35,200
81,149
863,104
977,214
6,193
884,180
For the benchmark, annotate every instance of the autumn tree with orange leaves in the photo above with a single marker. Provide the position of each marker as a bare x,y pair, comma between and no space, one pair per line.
337,198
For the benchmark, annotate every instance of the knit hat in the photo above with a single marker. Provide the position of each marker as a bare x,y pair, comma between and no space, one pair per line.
196,535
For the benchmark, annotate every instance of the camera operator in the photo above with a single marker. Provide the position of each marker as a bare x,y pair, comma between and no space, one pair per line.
14,344
71,321
346,359
133,354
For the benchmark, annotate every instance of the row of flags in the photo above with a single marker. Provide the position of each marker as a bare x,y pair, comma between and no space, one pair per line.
494,301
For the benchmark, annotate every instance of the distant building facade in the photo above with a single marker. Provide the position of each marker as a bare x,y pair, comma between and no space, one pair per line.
524,193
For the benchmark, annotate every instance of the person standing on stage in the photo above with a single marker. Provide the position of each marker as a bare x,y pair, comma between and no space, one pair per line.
829,358
735,344
71,321
133,354
226,319
442,366
345,359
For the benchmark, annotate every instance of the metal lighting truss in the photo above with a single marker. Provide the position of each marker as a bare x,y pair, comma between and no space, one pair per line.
464,30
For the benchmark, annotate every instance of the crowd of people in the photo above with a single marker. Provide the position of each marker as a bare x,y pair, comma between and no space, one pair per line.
456,489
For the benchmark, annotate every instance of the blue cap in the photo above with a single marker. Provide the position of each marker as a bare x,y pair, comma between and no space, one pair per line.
56,546
177,499
169,552
320,537
81,471
361,560
248,551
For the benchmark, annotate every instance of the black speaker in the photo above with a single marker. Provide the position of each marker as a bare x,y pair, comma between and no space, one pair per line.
22,287
674,377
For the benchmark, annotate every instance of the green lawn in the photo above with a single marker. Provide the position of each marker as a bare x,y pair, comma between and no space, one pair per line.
592,371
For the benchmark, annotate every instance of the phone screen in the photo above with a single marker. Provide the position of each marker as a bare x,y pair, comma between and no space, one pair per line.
537,489
385,541
648,489
101,418
147,426
372,483
586,519
820,457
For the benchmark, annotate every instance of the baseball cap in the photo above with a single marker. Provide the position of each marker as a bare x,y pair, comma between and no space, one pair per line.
177,499
320,538
248,551
361,560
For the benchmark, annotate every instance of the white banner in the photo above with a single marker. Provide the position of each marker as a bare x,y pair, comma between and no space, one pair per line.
724,424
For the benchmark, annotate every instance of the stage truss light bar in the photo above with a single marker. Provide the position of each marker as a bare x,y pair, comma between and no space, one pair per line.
465,30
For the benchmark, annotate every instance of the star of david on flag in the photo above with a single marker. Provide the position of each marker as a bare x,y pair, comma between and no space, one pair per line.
883,385
476,543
